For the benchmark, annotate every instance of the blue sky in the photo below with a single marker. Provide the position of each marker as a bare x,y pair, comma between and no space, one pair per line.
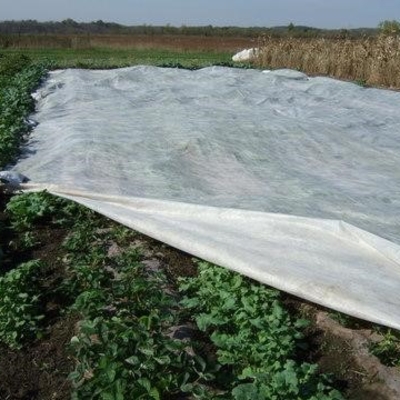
318,13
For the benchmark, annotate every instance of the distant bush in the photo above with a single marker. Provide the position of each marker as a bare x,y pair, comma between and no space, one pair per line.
390,27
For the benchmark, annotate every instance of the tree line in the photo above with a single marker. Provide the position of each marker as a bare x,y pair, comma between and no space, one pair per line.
69,26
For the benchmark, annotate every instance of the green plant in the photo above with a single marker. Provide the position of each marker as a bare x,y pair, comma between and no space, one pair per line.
291,381
123,349
18,77
29,208
27,240
12,65
361,82
121,357
387,349
20,311
255,336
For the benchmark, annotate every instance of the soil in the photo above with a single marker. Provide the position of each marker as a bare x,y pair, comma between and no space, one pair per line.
342,350
40,370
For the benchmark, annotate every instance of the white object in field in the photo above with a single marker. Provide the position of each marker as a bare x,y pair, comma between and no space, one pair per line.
293,182
245,55
12,179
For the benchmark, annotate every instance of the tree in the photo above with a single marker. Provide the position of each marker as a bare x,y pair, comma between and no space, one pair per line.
389,27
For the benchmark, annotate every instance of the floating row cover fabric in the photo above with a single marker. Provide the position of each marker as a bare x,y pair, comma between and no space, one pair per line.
245,55
290,180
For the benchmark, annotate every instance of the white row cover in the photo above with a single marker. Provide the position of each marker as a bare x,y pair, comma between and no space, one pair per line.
292,181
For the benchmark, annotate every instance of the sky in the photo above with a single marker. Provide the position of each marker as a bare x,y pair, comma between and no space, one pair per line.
316,13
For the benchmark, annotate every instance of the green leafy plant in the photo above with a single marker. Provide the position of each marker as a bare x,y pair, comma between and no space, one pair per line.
387,349
18,77
123,349
29,208
20,311
121,357
255,336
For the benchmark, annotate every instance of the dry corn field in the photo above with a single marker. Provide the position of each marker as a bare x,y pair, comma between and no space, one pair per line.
371,61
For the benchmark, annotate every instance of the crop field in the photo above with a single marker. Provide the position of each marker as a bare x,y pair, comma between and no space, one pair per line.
90,309
373,61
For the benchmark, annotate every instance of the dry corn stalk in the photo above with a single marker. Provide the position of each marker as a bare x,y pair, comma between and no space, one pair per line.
373,61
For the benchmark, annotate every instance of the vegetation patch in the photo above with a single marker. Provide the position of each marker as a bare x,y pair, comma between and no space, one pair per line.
18,78
388,348
20,312
255,336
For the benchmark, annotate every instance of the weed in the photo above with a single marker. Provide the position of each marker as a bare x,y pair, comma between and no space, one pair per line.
388,349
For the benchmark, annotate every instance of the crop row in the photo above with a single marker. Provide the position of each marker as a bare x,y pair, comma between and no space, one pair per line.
18,78
255,336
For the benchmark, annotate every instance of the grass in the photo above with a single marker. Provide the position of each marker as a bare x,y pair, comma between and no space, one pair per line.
254,335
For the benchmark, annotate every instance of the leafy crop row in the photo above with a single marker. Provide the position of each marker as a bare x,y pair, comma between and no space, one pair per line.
123,348
255,336
18,77
21,292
